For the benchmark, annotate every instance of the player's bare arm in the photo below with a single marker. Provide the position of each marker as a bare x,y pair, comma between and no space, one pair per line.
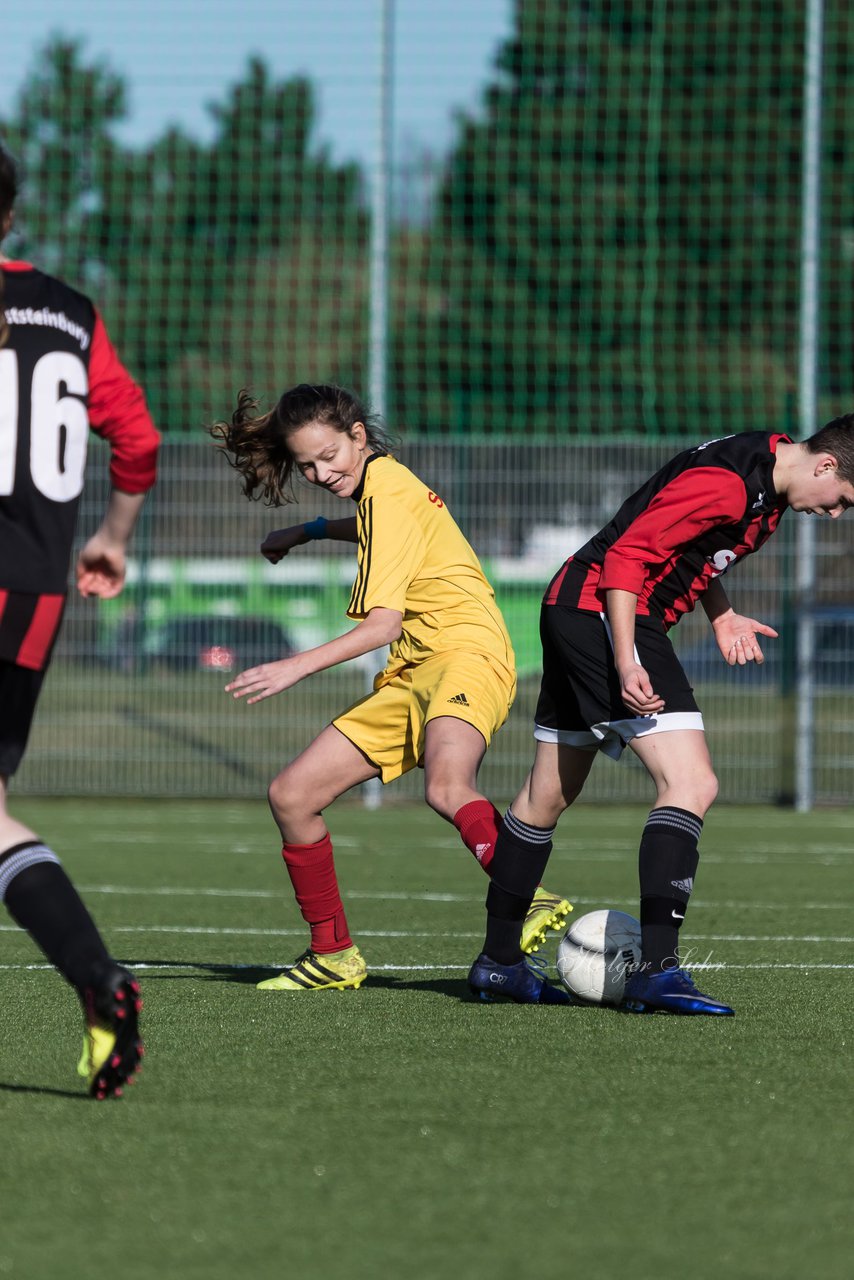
637,691
101,565
380,627
279,542
736,634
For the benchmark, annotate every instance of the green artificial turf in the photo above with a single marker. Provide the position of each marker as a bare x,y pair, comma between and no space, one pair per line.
404,1130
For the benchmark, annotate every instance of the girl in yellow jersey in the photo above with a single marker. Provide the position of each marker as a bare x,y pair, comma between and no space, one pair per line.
450,676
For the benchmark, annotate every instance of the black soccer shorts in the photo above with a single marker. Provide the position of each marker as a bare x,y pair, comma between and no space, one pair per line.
19,693
580,702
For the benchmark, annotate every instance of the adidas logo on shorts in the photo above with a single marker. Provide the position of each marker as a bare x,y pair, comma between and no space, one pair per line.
460,699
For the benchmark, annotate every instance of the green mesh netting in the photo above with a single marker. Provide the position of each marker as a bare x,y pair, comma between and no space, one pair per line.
607,257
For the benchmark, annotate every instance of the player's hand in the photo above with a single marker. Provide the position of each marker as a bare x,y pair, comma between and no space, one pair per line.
278,543
637,692
737,638
270,678
101,568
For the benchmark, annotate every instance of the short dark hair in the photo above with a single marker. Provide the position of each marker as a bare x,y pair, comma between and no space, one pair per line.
258,442
836,438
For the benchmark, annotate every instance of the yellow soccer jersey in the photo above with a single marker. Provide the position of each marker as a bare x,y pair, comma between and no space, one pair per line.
413,558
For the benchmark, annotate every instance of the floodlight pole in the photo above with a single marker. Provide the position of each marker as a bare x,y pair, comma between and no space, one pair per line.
380,201
379,250
805,558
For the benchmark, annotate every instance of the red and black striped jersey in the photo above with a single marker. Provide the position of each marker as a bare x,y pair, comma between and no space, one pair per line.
59,376
705,509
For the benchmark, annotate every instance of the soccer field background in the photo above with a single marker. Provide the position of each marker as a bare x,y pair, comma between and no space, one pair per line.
404,1130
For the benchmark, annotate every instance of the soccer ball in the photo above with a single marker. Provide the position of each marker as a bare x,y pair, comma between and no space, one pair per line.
597,953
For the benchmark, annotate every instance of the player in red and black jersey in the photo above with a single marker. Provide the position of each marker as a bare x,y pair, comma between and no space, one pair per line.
611,678
705,509
59,376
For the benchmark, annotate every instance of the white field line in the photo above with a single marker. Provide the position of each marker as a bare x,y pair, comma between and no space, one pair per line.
240,932
219,842
408,968
828,855
166,892
163,891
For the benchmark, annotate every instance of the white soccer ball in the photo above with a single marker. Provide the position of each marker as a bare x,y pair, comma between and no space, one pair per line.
597,953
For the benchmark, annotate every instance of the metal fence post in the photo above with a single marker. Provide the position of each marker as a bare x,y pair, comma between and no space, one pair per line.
379,242
807,390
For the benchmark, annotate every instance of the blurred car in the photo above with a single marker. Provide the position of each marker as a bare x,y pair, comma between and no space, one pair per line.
217,644
832,667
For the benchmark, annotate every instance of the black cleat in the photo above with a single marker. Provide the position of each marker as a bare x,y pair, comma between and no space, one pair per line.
112,1047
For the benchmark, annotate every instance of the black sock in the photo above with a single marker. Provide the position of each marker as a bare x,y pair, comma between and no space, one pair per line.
521,854
667,864
42,899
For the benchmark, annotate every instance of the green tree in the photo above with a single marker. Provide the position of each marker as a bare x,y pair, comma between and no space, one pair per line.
616,247
217,265
267,170
60,134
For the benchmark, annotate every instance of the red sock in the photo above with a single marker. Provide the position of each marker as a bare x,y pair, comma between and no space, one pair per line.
312,873
478,823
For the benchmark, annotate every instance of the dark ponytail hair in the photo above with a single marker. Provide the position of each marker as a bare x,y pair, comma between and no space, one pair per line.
258,442
8,195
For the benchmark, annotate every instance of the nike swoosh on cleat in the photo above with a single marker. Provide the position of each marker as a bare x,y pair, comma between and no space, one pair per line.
703,999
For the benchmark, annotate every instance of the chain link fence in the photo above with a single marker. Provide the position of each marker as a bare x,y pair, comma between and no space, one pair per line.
134,702
601,260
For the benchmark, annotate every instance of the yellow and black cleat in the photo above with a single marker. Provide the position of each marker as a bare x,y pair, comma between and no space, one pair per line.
336,972
547,911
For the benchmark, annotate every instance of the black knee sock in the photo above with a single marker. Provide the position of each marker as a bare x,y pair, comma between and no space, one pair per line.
42,899
521,854
667,864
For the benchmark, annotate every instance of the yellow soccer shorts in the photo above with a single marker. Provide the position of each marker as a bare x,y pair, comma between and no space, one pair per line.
388,725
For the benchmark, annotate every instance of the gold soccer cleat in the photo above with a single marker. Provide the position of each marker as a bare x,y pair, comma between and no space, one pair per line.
547,911
335,972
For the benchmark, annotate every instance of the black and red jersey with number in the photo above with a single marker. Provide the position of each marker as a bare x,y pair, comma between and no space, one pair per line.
59,376
705,509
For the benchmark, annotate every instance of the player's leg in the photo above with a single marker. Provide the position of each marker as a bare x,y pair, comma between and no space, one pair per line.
565,752
534,809
42,900
453,752
329,767
462,700
522,851
685,783
680,766
458,701
574,693
525,841
672,747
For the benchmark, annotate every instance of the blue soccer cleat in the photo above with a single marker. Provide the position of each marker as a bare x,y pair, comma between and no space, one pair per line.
672,991
524,982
